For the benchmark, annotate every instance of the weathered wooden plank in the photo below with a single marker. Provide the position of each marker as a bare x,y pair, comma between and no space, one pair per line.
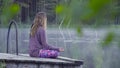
11,65
79,66
24,61
45,66
71,60
64,58
25,65
56,66
15,58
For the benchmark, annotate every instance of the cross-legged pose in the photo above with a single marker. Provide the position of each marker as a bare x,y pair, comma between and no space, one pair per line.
38,47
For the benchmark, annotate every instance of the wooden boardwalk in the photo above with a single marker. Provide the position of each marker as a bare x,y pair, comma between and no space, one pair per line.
24,61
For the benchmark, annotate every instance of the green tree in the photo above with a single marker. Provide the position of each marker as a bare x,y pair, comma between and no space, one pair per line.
8,10
89,12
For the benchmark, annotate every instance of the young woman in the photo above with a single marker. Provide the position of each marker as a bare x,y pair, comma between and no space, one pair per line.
38,46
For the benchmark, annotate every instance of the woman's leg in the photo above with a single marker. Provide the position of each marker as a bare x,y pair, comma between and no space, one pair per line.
48,53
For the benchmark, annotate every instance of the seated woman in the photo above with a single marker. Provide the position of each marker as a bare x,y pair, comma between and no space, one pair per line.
38,46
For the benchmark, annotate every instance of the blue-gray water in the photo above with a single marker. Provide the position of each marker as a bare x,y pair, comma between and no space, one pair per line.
85,47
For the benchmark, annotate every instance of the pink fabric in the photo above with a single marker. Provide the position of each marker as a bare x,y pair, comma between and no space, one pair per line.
48,53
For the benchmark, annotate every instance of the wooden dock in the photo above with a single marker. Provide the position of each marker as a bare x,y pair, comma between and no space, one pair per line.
24,61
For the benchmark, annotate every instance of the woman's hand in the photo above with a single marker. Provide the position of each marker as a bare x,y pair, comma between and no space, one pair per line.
61,49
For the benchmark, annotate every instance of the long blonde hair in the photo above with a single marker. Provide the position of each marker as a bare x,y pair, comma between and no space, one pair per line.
39,21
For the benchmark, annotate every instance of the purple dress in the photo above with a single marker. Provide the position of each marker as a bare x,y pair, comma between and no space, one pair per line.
38,42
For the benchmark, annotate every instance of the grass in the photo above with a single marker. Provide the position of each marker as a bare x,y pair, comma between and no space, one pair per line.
2,65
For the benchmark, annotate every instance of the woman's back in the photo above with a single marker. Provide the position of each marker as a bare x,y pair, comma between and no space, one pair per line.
34,42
